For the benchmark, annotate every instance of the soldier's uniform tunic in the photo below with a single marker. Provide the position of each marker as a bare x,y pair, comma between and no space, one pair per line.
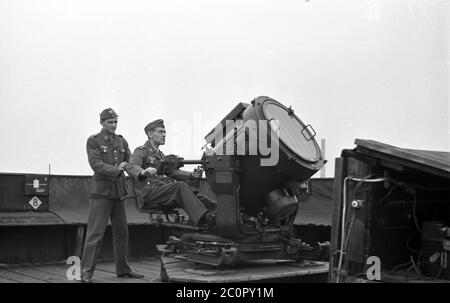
160,191
105,153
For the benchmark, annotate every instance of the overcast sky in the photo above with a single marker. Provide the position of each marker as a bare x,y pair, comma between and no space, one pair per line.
371,69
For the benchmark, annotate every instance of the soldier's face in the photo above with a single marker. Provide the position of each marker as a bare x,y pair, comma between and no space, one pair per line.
158,135
109,125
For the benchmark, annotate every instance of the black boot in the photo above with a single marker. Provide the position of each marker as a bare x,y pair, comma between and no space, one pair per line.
209,218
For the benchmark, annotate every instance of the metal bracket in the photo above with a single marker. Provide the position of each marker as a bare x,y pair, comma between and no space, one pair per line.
308,128
290,111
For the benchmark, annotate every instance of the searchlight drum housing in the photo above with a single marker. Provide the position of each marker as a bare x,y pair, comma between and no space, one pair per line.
300,155
257,162
294,153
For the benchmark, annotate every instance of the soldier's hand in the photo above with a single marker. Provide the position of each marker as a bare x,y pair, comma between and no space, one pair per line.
197,173
149,171
123,166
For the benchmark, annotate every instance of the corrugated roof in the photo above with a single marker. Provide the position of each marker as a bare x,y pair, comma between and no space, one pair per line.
437,161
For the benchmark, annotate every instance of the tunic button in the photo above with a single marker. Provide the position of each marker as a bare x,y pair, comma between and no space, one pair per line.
115,151
115,164
148,183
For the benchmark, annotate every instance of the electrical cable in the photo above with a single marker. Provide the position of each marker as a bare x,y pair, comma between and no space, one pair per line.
414,211
389,193
344,213
408,246
409,188
348,237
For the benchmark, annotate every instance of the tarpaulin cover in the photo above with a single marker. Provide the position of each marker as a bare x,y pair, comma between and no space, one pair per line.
69,199
29,219
316,208
68,202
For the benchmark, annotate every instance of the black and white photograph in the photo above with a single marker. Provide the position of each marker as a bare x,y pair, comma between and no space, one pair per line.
225,148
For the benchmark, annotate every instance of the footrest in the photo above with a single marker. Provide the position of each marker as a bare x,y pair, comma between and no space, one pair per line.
159,217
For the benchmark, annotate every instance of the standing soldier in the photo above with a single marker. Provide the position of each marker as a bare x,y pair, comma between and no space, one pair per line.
108,154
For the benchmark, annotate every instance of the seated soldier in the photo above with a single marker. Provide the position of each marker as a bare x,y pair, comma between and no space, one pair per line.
163,191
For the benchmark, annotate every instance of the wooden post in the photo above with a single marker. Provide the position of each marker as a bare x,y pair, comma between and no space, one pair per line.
355,251
322,147
336,214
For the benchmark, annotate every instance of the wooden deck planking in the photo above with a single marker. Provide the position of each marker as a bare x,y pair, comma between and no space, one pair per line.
152,262
59,270
111,269
8,274
153,268
56,273
5,280
101,276
187,271
38,274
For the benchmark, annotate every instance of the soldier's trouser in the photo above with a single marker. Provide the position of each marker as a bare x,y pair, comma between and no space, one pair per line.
177,194
100,211
210,204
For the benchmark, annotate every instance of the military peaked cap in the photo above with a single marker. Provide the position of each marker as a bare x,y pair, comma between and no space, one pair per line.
154,124
108,113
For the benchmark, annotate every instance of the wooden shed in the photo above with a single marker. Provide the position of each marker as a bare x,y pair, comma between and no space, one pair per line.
391,215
